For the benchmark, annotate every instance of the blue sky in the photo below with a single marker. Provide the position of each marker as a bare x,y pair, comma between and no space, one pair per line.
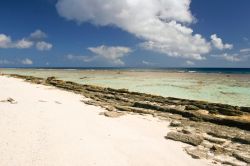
128,33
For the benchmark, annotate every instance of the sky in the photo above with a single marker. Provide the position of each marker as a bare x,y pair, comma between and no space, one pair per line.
125,33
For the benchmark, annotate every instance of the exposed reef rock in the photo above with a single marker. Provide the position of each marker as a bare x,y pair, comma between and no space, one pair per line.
216,131
124,100
241,156
175,123
196,153
186,138
113,114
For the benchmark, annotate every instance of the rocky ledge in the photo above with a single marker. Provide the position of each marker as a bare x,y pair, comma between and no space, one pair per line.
215,131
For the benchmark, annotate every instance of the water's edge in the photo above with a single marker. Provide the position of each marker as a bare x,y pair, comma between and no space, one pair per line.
212,128
233,89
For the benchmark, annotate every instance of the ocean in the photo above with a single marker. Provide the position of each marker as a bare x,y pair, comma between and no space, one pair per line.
219,85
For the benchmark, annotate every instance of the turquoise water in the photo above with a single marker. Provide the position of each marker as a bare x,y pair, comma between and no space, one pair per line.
231,89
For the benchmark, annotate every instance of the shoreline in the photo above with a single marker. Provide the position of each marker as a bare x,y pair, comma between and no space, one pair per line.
221,88
218,113
43,125
135,71
159,69
218,140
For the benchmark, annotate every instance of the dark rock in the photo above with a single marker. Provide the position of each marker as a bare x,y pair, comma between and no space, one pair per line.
228,111
191,139
244,139
169,109
239,123
241,156
50,78
10,100
218,149
196,119
229,160
83,78
191,107
135,110
220,134
175,123
245,109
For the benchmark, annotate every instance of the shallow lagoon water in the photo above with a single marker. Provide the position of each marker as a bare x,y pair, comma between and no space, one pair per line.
231,89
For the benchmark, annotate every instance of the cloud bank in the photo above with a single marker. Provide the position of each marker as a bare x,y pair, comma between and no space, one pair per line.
229,57
110,54
34,38
6,42
80,58
242,55
25,61
162,24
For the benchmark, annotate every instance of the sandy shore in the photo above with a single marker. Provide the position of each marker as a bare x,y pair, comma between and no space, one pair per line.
51,127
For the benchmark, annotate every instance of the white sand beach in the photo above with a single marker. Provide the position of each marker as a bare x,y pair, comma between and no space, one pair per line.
52,127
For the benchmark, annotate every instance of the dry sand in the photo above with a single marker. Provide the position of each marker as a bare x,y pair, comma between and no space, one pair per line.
51,127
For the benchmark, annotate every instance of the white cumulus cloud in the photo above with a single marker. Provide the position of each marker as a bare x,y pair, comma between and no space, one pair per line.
24,43
43,46
80,58
245,50
190,63
162,24
112,54
27,61
218,43
38,35
148,63
231,57
5,62
6,42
